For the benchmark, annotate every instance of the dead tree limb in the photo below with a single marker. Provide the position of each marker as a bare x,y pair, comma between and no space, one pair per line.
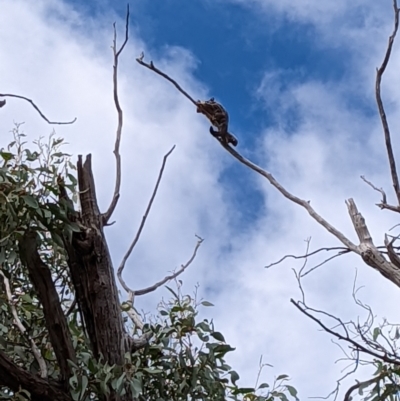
172,276
143,222
367,250
151,67
107,215
98,281
370,254
380,71
341,250
36,108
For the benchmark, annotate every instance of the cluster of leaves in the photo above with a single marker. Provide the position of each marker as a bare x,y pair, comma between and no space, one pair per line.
29,200
184,359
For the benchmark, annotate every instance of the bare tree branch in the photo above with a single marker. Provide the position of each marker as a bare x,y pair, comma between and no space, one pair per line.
22,329
306,205
382,356
342,250
366,249
172,276
36,108
383,204
380,71
156,70
107,215
136,239
380,190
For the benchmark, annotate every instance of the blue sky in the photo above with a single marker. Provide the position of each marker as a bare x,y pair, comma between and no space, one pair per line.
297,79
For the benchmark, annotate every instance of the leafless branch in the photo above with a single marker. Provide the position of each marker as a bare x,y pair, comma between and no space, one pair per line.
306,205
132,312
324,262
342,250
383,204
17,321
367,250
380,190
174,275
298,273
382,356
107,215
159,72
380,71
37,109
136,239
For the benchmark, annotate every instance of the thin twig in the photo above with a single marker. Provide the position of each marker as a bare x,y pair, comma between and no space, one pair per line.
172,276
156,70
346,338
37,109
324,262
380,190
380,71
17,321
136,239
107,215
334,248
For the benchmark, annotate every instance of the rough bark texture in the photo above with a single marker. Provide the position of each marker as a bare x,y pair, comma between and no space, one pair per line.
92,275
367,249
104,318
56,322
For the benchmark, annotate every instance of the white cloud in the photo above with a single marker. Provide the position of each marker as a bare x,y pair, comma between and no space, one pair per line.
50,55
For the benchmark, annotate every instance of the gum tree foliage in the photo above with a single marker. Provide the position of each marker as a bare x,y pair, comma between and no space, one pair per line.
64,333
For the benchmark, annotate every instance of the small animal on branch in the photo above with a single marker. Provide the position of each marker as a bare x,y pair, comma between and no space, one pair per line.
218,117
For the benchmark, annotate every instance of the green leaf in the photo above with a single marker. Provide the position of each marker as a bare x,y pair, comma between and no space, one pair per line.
282,377
6,156
136,387
206,303
376,333
152,371
234,377
172,291
263,385
85,382
218,336
30,201
244,390
292,391
120,382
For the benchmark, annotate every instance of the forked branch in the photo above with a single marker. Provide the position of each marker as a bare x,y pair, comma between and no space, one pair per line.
173,275
146,214
107,215
369,252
